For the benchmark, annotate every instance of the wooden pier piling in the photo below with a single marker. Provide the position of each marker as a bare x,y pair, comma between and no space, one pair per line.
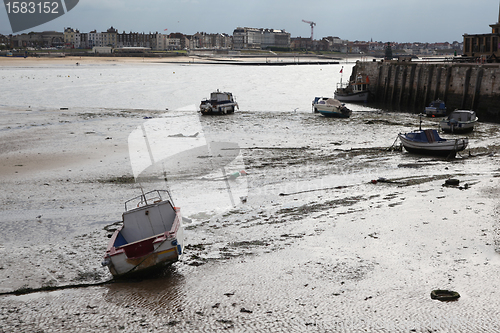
411,85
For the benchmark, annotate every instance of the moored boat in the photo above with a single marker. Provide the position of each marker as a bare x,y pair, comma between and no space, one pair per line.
150,238
219,103
429,142
459,121
331,107
354,91
436,108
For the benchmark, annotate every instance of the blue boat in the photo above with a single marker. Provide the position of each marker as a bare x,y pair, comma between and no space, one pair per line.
429,142
331,107
436,108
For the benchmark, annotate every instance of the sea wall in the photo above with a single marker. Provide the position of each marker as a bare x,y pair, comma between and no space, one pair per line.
410,86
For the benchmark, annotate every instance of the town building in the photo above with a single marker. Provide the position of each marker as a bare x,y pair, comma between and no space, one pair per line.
4,42
38,39
135,39
483,45
253,38
110,37
72,38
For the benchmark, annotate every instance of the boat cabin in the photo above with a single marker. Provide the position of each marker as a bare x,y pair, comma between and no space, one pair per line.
462,115
428,135
361,83
221,96
149,217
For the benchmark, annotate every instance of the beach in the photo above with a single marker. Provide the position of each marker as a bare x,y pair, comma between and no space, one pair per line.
337,232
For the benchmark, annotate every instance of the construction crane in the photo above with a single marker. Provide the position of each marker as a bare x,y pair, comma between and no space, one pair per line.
312,24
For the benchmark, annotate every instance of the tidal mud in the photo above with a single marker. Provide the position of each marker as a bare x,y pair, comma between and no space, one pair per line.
336,232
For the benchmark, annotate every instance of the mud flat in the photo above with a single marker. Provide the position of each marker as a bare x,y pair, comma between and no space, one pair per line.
316,246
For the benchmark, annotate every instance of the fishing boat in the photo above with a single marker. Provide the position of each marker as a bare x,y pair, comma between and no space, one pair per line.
219,103
429,142
436,108
356,91
331,107
459,121
150,238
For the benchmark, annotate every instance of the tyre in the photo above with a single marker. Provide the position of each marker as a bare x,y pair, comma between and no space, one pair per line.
445,295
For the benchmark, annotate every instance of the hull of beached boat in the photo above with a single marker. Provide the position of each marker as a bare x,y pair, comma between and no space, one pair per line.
458,128
459,121
330,107
439,148
151,237
146,255
358,97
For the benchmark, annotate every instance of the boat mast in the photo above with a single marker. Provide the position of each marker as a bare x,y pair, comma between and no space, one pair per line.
167,186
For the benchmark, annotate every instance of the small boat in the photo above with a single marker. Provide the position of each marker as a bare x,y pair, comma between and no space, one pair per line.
354,91
459,121
429,142
331,107
219,103
150,238
436,108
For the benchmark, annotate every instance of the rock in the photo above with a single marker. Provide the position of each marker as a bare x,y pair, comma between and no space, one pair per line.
452,182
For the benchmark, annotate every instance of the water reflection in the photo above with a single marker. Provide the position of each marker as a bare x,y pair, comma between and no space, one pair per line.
164,290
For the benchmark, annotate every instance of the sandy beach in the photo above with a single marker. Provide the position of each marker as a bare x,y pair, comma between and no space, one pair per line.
318,245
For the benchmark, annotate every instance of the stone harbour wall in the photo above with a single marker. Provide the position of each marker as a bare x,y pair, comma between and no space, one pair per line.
410,86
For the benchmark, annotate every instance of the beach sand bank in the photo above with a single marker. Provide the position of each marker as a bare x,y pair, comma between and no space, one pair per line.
338,232
317,246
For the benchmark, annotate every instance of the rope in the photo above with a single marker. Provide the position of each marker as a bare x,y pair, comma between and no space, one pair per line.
25,291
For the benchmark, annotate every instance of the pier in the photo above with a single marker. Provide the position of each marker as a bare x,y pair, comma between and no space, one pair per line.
411,85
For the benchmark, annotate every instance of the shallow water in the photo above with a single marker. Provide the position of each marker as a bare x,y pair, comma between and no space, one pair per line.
172,86
316,246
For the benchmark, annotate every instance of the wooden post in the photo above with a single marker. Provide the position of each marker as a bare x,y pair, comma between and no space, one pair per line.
438,83
418,91
428,86
447,82
466,87
411,84
477,90
395,84
403,85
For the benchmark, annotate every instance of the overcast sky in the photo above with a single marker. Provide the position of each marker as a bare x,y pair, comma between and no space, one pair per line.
380,20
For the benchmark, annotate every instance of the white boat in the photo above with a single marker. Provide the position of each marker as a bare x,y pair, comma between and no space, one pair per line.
219,103
356,91
436,108
429,142
331,107
459,121
150,238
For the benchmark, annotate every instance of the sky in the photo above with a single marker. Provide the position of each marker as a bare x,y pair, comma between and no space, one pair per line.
364,20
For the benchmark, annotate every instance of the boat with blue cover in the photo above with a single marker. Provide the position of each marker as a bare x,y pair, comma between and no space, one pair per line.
331,107
436,108
430,143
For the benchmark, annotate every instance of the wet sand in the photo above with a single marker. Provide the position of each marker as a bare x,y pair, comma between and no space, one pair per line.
72,60
317,246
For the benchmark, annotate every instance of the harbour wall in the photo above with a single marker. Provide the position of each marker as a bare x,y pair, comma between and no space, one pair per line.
410,86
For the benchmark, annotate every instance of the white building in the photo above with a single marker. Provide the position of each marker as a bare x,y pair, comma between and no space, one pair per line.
252,38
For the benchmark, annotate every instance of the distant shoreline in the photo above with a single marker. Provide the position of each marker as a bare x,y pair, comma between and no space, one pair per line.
181,59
